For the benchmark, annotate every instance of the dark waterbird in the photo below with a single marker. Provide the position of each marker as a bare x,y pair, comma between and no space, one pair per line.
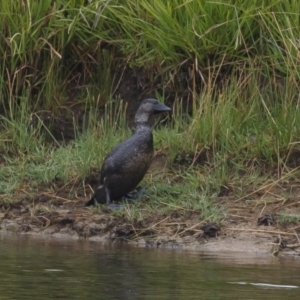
126,165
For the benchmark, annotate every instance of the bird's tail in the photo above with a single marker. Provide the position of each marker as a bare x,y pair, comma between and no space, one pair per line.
91,202
98,197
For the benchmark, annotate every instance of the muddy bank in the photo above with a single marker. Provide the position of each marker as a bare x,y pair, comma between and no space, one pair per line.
242,230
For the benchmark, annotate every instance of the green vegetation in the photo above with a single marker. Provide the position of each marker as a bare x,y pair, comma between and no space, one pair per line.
52,50
230,68
289,218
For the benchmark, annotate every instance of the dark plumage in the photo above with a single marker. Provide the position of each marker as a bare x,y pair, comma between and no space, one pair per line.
126,165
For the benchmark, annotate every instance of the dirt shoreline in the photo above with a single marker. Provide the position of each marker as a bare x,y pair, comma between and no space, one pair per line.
73,221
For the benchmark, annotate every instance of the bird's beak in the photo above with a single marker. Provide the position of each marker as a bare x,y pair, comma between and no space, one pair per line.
159,108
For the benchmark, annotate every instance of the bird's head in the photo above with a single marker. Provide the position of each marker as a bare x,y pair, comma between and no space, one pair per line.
149,107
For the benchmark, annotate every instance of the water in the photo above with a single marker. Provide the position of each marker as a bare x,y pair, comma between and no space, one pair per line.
53,269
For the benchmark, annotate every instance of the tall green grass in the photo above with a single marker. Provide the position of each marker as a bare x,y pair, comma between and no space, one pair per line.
50,50
261,126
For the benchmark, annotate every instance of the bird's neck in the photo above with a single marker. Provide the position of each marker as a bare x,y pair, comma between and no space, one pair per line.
142,127
141,118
